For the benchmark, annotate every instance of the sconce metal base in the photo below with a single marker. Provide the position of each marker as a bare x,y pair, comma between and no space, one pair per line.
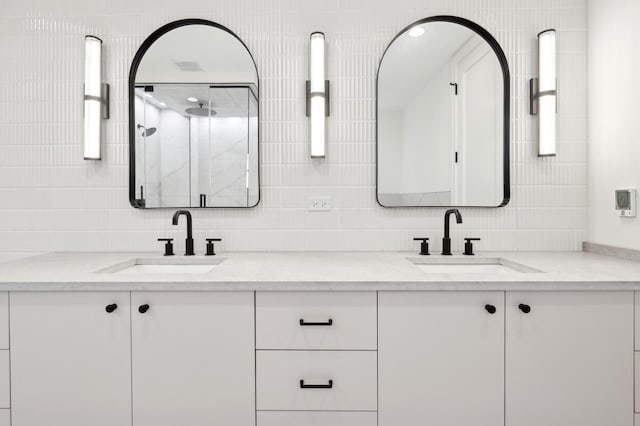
104,100
106,89
327,97
533,96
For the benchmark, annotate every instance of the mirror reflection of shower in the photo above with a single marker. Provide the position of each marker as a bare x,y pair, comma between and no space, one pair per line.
146,132
207,152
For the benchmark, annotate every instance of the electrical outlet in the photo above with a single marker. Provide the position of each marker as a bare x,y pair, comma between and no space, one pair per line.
319,204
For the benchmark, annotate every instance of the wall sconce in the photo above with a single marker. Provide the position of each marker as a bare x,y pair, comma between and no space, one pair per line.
317,96
543,93
96,97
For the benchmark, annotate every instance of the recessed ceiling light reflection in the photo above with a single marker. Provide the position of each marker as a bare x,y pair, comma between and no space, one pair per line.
416,31
192,99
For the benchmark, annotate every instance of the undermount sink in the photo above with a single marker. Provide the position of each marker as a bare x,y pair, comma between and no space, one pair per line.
472,265
165,265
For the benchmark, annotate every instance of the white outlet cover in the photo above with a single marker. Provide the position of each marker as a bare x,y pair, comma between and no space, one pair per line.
319,204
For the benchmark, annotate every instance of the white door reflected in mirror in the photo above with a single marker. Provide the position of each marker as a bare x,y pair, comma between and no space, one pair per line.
442,139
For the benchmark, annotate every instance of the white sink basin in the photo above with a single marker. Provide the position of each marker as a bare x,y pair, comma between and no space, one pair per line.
471,266
165,265
167,269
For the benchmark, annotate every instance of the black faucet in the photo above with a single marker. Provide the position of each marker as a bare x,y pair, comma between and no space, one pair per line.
446,241
189,241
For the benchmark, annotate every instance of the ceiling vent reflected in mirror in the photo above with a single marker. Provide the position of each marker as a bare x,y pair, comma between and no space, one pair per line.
188,66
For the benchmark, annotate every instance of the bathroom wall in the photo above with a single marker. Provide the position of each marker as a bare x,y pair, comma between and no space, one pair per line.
50,199
614,137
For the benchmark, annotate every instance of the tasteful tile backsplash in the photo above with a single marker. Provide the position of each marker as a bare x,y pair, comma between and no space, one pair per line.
50,199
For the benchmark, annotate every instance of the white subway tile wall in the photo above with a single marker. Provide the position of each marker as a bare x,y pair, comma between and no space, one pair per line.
52,200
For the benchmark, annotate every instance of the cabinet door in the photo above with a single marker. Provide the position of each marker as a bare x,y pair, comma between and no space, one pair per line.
4,320
193,359
70,359
569,361
441,358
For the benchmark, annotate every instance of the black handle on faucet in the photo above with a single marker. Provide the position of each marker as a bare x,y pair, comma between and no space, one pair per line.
168,247
468,246
424,245
210,247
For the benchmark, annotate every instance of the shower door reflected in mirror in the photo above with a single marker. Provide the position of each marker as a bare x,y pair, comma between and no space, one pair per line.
194,119
443,117
195,144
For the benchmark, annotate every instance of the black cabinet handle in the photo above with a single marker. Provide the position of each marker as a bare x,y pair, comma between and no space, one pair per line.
524,308
110,308
327,386
490,308
303,323
143,308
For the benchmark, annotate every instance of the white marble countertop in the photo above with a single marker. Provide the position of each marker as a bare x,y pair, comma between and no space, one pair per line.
319,271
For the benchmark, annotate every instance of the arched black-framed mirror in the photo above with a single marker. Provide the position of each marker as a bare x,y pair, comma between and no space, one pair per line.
194,119
442,117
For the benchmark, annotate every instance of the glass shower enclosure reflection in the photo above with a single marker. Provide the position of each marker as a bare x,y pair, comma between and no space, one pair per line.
196,145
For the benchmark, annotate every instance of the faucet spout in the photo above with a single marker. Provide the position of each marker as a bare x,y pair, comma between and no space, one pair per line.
189,251
446,220
446,241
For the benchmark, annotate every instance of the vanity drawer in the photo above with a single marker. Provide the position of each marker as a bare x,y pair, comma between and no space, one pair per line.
348,378
316,418
316,320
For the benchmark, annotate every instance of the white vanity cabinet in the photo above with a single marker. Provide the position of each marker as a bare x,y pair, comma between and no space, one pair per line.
315,358
569,361
193,358
441,358
5,397
192,353
545,358
70,359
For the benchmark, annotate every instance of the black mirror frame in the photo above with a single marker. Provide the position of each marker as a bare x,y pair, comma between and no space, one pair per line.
502,59
146,44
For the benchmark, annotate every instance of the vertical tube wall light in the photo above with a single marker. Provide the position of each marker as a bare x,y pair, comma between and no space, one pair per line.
96,98
543,92
317,96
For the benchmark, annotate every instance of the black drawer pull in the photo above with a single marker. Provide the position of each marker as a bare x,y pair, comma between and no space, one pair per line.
524,308
327,386
303,323
110,308
143,308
